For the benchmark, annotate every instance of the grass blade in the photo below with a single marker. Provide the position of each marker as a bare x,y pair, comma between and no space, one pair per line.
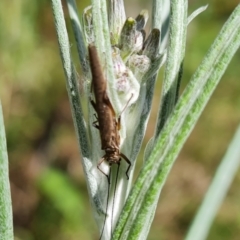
6,221
216,194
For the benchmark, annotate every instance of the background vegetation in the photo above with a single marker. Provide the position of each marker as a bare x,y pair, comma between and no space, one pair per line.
48,188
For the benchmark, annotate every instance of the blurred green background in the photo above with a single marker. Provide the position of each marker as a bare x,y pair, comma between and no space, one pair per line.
49,195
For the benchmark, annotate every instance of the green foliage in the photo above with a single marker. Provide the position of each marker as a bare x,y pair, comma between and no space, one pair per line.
64,206
64,197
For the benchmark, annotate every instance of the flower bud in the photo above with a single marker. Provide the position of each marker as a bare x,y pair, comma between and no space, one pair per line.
131,40
139,64
141,19
151,45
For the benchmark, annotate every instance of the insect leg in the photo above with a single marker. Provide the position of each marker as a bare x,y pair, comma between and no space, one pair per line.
93,104
119,117
95,108
95,122
128,161
126,104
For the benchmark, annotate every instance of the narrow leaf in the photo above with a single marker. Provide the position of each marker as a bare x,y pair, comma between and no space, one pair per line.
216,194
6,221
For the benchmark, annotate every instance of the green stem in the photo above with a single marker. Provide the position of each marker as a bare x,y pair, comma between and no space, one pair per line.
175,55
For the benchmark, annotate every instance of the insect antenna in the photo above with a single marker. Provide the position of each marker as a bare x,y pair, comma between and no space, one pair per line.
114,193
108,191
126,104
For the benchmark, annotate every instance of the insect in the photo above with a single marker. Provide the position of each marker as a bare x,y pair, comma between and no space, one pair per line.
107,123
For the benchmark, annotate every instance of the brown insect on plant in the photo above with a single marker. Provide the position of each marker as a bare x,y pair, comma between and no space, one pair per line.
107,123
